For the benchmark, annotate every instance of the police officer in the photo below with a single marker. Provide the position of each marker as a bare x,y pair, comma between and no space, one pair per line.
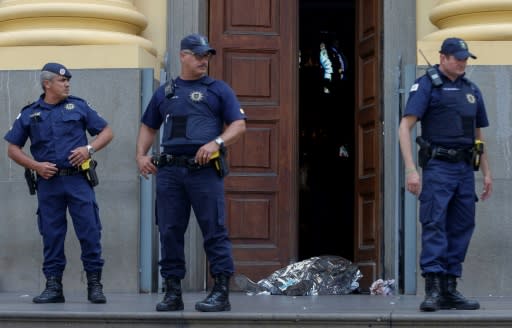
193,109
452,113
56,125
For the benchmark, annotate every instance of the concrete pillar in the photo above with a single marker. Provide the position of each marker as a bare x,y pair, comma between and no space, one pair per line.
472,20
81,22
486,25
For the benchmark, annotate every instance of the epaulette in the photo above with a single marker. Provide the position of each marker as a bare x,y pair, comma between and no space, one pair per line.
471,83
76,98
207,80
27,106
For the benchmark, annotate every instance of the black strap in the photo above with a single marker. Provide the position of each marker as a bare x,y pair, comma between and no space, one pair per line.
69,171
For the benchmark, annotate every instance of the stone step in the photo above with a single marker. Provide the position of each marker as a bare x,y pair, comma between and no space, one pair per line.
138,311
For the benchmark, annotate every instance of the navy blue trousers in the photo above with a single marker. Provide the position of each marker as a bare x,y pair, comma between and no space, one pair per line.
447,216
56,196
178,191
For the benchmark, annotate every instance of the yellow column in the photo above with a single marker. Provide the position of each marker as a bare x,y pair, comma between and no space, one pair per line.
472,20
485,24
89,33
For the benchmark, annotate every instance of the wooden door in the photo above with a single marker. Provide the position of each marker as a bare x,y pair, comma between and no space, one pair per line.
368,142
257,54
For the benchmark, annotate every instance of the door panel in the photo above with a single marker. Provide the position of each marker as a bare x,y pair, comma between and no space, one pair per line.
368,142
257,55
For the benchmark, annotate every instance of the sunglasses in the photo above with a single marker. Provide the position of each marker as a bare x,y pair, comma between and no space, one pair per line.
199,57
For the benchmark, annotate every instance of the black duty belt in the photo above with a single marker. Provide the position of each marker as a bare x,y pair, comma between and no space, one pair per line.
69,171
182,161
452,155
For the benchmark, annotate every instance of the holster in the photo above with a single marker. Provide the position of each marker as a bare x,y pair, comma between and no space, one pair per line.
424,153
478,150
89,170
220,162
30,177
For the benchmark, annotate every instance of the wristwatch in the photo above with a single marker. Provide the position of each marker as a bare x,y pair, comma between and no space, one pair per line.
219,141
90,150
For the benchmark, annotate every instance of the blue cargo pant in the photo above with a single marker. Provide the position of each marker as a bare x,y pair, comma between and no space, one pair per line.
447,215
178,190
56,196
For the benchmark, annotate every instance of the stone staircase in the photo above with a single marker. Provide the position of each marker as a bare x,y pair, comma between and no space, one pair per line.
138,311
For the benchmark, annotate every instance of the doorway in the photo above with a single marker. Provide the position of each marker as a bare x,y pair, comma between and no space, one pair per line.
326,128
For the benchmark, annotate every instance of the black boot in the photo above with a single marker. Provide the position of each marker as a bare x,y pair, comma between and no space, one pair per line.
218,299
452,299
432,292
53,292
172,300
95,288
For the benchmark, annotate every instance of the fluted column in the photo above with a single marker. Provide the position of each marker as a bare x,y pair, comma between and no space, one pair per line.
477,20
71,22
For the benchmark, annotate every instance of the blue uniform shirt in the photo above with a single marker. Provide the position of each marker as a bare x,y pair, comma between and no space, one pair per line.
219,99
424,96
55,130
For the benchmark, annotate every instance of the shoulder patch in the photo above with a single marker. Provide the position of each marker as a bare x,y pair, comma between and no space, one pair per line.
91,106
414,87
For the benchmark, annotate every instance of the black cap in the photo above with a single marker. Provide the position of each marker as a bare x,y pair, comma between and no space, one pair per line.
196,43
456,47
57,68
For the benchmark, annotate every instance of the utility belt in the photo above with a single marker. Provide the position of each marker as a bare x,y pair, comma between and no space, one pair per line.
217,161
87,168
69,171
189,162
452,155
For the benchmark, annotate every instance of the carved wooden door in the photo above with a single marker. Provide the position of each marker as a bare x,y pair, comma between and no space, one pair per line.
368,142
257,54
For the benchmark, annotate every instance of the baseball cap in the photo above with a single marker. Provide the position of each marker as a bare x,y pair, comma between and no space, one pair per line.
57,68
196,43
456,47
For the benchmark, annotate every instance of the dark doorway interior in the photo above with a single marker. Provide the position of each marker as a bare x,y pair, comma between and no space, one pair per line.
326,126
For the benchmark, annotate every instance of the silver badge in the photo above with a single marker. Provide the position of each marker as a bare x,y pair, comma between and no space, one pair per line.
196,96
69,106
470,98
62,71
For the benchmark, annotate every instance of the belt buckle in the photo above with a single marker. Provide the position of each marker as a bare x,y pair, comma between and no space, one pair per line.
167,159
193,165
68,171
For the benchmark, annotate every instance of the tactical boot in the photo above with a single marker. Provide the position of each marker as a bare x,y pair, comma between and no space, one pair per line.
53,292
432,292
172,300
452,299
95,288
218,299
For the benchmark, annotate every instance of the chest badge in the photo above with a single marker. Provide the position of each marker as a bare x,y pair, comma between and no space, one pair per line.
69,106
471,99
196,96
